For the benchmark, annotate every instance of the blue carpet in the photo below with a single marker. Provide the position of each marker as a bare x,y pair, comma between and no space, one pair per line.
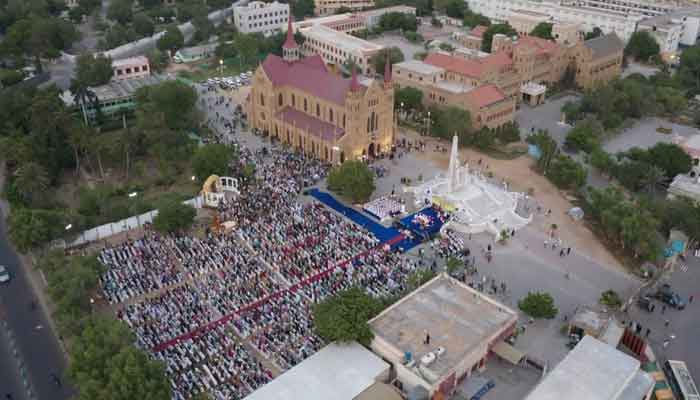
382,233
420,230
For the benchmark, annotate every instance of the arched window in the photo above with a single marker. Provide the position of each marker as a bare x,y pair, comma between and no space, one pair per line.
305,104
318,110
369,124
280,100
262,99
330,114
343,121
293,100
376,121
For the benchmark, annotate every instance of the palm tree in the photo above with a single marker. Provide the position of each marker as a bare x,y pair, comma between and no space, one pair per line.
78,139
32,181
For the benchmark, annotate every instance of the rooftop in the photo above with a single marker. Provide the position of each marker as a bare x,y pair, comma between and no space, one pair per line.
458,319
593,370
453,87
138,60
485,95
338,372
419,67
322,20
605,45
340,39
531,13
309,75
459,65
126,88
385,10
253,5
478,31
663,22
319,128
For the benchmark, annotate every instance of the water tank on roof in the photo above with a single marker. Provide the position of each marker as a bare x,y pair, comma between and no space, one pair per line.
428,359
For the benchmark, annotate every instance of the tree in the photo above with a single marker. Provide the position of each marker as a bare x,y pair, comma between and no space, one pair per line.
585,136
472,19
30,228
92,70
689,68
452,265
205,28
302,8
610,298
538,305
601,160
143,25
353,180
508,133
671,158
121,11
174,216
247,46
344,317
487,37
32,183
449,121
455,8
171,102
410,98
379,59
566,173
593,34
172,40
642,46
158,60
447,47
543,30
396,20
211,159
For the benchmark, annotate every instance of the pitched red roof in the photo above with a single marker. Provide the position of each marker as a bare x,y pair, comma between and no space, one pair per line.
478,31
321,129
309,75
485,95
500,59
458,65
290,43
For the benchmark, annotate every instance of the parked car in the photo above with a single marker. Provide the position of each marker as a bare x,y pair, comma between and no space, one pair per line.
668,296
4,274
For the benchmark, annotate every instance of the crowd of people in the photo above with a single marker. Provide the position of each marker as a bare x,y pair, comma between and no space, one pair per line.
385,207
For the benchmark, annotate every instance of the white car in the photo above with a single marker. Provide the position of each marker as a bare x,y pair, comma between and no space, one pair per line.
4,274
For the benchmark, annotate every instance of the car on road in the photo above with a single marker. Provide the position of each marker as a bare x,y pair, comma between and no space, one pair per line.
645,303
668,296
4,274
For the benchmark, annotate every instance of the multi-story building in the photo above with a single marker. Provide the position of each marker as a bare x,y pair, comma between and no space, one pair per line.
643,7
471,40
623,24
261,17
690,19
345,23
336,48
597,61
666,30
487,104
129,68
326,7
524,22
300,102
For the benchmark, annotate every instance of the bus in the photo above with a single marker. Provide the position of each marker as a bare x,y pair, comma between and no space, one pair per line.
680,380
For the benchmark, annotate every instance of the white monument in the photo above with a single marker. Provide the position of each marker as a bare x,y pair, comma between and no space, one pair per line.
477,205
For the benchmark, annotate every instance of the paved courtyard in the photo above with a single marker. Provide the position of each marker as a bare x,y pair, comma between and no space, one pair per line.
545,116
643,134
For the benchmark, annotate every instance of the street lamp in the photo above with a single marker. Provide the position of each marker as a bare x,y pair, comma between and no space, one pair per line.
69,226
133,194
221,67
427,125
194,178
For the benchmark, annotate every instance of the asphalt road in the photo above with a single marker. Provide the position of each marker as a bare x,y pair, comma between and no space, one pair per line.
38,348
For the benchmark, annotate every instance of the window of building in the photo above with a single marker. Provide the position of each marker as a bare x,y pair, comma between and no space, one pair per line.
318,110
280,100
128,70
343,121
262,99
293,100
305,104
330,114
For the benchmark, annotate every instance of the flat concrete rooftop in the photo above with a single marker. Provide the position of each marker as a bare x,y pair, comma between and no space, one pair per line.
340,39
457,318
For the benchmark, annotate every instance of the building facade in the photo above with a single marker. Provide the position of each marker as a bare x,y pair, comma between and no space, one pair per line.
471,40
129,68
623,24
598,61
346,23
372,17
524,22
327,7
667,31
643,7
261,17
300,102
336,48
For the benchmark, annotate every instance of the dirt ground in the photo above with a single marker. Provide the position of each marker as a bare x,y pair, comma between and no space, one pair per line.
521,178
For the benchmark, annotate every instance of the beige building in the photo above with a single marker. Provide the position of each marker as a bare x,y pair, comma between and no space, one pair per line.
337,47
300,102
441,334
326,7
129,68
487,104
598,61
261,17
524,22
345,23
472,39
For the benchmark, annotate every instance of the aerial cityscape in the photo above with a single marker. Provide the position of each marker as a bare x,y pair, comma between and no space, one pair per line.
349,199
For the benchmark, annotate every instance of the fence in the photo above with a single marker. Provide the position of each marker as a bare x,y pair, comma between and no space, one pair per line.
114,228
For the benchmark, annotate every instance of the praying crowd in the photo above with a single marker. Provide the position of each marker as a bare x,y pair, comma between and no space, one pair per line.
201,304
384,207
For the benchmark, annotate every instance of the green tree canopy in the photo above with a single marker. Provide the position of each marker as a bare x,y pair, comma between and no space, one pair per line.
585,136
472,19
411,98
31,228
379,59
143,25
593,34
487,38
543,30
449,121
211,159
121,11
642,46
352,180
302,8
671,158
344,317
538,305
173,102
172,40
92,70
174,216
566,173
689,69
395,20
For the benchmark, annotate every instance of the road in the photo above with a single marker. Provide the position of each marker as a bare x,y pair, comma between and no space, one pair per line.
38,348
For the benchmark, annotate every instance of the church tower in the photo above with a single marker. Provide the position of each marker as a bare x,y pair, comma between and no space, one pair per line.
290,48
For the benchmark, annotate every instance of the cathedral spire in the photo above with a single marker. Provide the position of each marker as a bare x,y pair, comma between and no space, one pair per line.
290,48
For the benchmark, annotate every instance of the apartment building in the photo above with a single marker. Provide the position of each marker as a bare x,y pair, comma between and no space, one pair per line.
345,23
648,8
129,68
327,7
524,21
587,18
261,17
337,47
